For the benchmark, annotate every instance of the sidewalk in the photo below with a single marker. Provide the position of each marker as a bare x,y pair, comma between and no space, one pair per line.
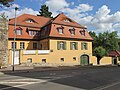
19,69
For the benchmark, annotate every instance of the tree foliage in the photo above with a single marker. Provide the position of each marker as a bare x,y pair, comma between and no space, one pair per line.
44,11
107,40
99,53
5,2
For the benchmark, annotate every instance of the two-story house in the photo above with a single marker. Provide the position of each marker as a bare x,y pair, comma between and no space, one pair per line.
58,40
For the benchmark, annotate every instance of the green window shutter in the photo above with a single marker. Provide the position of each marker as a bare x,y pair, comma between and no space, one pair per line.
86,46
70,45
58,45
82,45
76,45
64,45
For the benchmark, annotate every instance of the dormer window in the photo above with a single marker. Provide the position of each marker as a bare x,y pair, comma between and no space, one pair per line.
82,32
60,30
19,31
72,31
67,20
30,21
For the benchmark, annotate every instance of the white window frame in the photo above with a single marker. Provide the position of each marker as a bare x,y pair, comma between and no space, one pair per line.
60,30
22,45
61,45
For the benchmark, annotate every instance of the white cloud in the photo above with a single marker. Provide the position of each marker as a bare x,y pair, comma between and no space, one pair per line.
10,12
84,7
56,5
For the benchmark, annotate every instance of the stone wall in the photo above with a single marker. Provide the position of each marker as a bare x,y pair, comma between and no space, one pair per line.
3,41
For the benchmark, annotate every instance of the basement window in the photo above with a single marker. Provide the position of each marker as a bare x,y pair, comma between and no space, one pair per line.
29,60
62,59
43,60
74,58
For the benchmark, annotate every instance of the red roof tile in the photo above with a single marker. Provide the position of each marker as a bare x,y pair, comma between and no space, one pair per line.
114,53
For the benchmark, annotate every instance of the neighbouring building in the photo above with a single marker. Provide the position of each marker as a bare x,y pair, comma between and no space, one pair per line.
50,41
115,57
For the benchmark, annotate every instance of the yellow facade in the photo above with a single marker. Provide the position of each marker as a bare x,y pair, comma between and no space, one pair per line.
71,57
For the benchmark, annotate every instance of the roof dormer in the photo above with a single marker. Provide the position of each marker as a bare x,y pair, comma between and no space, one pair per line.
30,21
67,20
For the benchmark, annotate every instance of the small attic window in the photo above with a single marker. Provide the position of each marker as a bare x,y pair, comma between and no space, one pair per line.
82,32
67,20
30,21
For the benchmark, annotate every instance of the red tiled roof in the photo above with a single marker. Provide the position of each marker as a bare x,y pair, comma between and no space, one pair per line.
39,20
59,19
114,53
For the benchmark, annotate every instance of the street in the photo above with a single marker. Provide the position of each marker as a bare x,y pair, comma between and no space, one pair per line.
89,78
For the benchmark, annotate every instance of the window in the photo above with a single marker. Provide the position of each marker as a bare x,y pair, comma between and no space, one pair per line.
43,60
62,59
30,21
34,45
31,33
34,33
19,31
82,32
74,58
29,60
37,33
60,30
84,46
22,45
72,31
67,20
61,45
73,45
12,45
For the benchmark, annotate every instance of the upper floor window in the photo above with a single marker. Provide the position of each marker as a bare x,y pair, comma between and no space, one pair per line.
61,45
82,32
60,30
34,33
67,20
34,45
22,45
30,21
72,31
73,45
19,31
13,44
84,46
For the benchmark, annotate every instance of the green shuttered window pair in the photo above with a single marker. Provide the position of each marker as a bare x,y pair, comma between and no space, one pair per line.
61,45
73,45
84,46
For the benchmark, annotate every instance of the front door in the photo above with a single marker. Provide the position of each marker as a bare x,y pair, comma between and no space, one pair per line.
16,58
84,60
114,60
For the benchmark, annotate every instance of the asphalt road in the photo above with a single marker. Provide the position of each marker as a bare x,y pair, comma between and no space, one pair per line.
97,78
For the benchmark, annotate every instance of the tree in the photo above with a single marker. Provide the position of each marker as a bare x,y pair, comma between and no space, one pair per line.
99,53
44,11
94,36
5,2
107,40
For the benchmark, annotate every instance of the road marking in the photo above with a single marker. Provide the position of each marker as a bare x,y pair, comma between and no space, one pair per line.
18,86
24,82
107,86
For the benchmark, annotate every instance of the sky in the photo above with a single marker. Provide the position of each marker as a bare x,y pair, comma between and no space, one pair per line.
97,15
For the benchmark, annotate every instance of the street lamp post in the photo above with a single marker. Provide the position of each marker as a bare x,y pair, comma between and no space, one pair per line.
14,38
